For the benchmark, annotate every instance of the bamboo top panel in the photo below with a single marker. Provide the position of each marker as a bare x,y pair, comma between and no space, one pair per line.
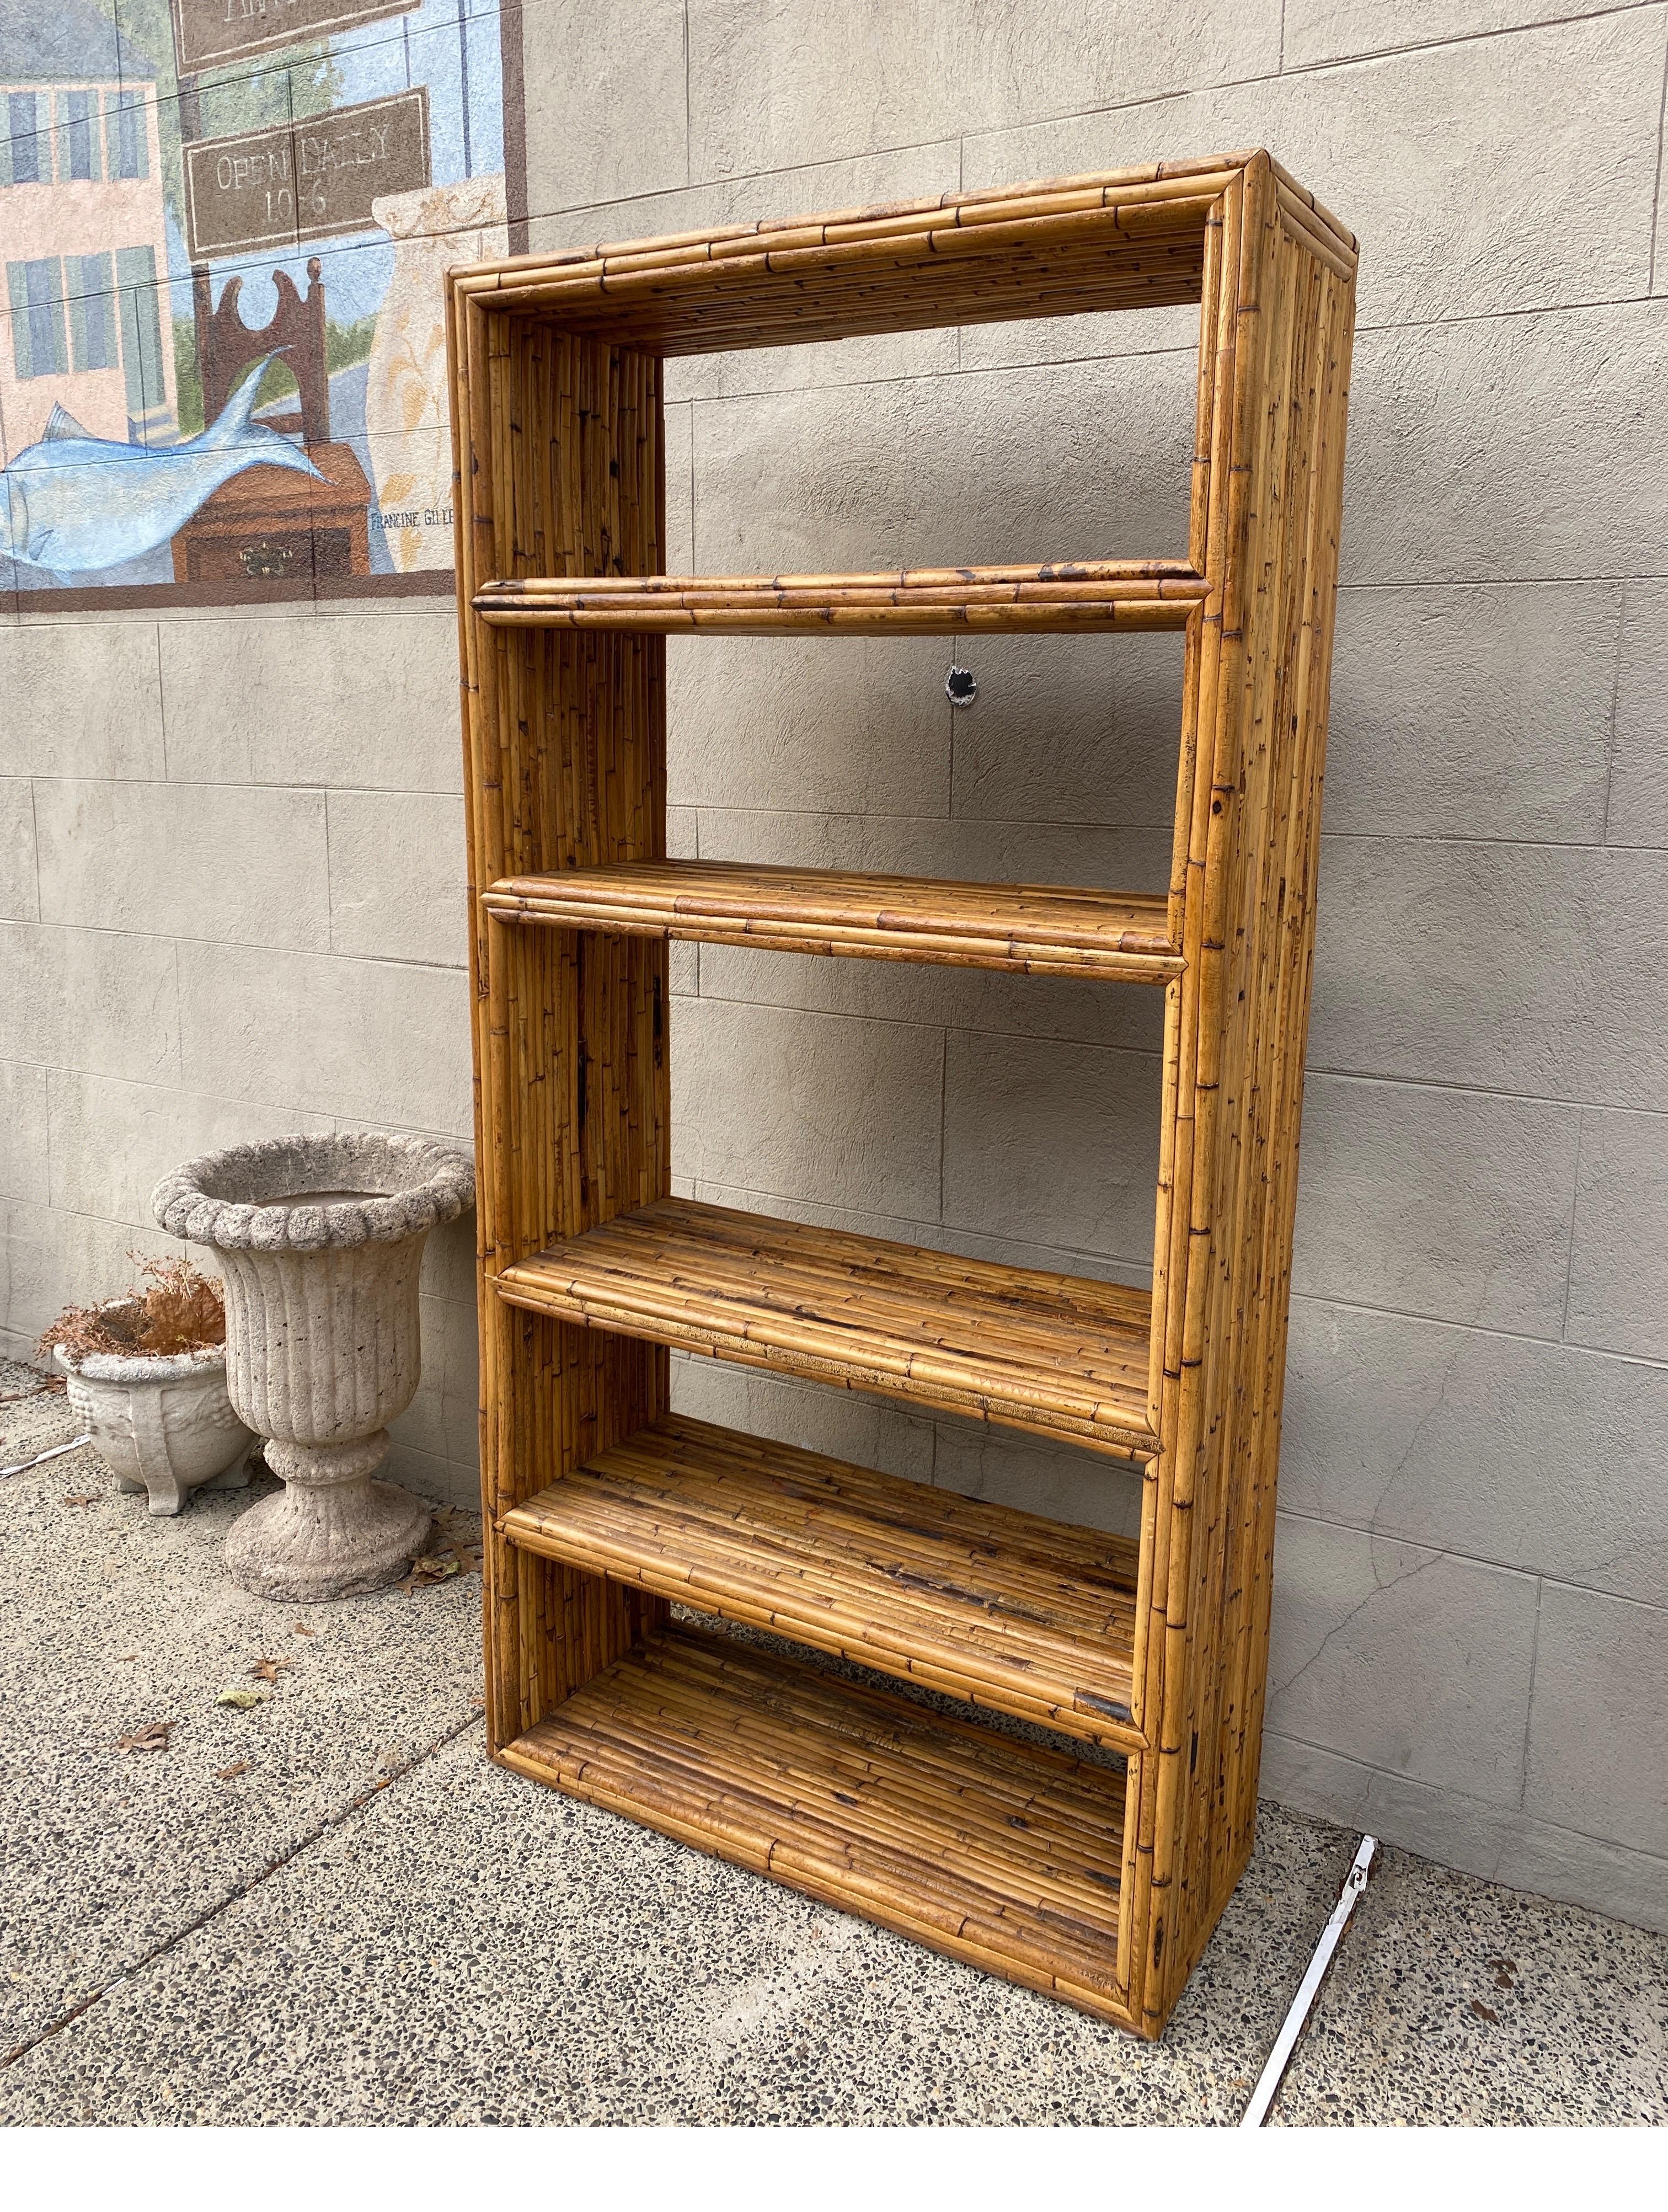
1007,1854
1067,595
1031,1616
1055,1353
1023,928
1123,238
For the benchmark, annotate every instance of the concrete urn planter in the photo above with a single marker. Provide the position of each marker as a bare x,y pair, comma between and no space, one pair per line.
319,1240
163,1422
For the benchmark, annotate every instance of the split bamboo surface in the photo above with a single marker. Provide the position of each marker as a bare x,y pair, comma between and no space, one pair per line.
1085,595
1027,928
1007,1855
601,1509
1028,1616
1057,1354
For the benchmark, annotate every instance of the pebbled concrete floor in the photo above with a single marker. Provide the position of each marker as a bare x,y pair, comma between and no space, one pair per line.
329,1909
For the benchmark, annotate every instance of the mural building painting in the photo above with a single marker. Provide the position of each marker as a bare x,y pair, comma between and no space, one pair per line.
223,227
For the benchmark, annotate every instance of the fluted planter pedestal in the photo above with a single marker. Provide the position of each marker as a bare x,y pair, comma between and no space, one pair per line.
319,1242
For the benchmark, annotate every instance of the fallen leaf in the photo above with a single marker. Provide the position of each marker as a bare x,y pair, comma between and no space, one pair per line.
153,1736
126,1658
80,1500
230,1773
461,1535
1484,2012
268,1670
430,1570
301,1629
243,1699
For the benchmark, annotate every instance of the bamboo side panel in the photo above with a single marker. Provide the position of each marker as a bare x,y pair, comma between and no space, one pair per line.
1020,1614
1235,1060
1298,681
1005,1856
1024,928
560,457
1057,1354
1062,596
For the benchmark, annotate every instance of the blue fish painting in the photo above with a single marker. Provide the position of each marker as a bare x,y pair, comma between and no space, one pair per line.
75,504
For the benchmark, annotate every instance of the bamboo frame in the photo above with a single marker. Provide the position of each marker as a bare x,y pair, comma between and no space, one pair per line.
600,1509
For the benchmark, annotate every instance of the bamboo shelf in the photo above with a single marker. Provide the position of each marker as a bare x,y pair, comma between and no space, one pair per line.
1007,1856
987,1603
1023,928
1091,595
1051,1353
1096,1879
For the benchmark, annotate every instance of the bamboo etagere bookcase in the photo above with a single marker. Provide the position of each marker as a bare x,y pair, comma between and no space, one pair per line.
1071,1875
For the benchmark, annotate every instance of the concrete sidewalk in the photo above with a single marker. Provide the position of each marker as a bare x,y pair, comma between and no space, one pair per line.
331,1909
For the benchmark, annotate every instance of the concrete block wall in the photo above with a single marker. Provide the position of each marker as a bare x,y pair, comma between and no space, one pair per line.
233,905
230,847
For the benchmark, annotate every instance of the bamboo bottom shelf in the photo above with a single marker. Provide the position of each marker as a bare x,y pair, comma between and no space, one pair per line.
1005,1854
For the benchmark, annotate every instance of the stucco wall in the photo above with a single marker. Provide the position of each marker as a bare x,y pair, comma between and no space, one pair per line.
231,847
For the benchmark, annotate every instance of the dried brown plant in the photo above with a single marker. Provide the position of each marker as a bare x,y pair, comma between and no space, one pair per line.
180,1310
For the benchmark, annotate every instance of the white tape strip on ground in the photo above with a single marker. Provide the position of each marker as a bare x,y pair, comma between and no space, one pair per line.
41,1458
1278,2059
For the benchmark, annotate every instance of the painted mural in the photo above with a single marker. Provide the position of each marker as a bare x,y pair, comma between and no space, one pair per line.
223,225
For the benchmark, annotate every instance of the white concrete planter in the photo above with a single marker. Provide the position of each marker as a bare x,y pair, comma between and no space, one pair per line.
319,1240
163,1425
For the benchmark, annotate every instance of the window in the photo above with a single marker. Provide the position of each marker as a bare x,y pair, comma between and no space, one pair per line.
23,139
36,292
142,344
78,136
91,285
129,136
